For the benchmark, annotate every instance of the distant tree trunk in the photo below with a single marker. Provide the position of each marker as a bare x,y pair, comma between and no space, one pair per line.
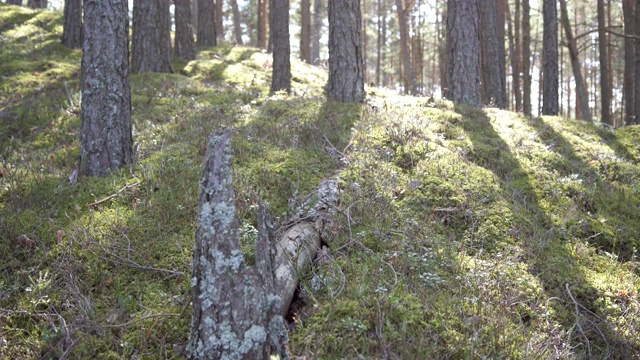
151,43
363,26
492,59
636,64
502,17
346,66
270,31
379,43
408,74
605,83
206,30
526,58
237,26
516,56
385,77
305,31
262,24
72,28
106,140
281,78
628,8
37,4
463,48
236,310
575,63
316,29
14,2
550,58
219,21
184,44
194,14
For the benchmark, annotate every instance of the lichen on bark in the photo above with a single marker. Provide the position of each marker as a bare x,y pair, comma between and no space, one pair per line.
235,307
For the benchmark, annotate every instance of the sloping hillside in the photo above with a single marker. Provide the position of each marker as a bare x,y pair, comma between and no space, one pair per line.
462,232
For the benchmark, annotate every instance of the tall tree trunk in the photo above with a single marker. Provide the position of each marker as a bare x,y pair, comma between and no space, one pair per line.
219,21
316,29
305,31
526,58
270,22
194,15
37,4
106,140
575,63
151,43
383,60
379,43
408,74
281,77
492,60
636,76
237,26
463,49
72,28
605,88
502,8
628,8
184,44
262,24
517,56
550,58
236,310
206,29
346,66
363,26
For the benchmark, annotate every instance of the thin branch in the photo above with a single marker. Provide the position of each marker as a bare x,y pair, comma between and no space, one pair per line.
140,319
126,187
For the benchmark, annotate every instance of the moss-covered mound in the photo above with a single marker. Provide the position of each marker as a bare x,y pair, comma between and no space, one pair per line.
462,232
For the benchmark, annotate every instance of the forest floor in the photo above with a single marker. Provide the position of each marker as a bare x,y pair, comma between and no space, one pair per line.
461,233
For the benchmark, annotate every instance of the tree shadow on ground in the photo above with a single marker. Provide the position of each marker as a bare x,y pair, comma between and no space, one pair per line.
548,254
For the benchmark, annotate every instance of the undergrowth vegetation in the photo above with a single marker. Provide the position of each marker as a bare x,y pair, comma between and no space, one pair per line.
461,233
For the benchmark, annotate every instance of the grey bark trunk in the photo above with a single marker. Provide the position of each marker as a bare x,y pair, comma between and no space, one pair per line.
236,312
315,32
629,61
408,76
583,98
237,26
550,58
219,21
151,43
605,89
517,56
206,30
281,76
463,49
526,58
305,31
184,44
194,14
493,77
346,66
72,28
105,130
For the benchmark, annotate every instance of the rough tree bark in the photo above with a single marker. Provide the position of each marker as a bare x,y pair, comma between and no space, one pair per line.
605,89
237,27
105,131
492,59
583,98
281,75
408,74
628,9
206,30
262,24
151,43
315,32
526,58
550,58
346,66
72,28
219,23
236,311
305,31
184,44
463,46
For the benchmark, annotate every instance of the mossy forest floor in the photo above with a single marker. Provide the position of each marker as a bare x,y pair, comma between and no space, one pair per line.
462,233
